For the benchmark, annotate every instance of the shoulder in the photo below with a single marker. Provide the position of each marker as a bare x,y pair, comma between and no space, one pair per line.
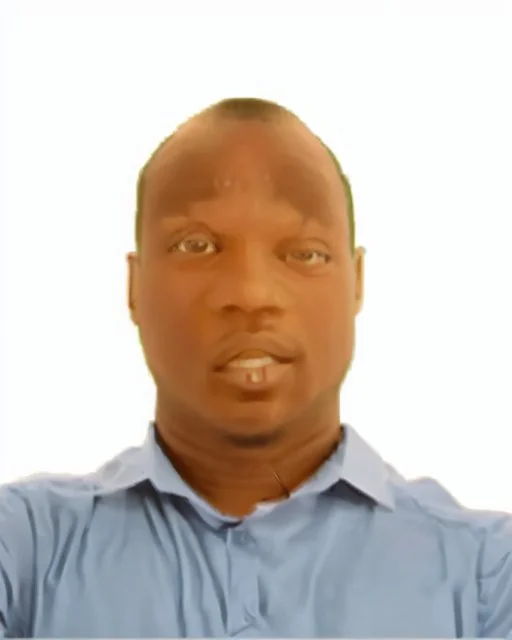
24,498
31,511
34,508
489,533
41,515
43,500
30,507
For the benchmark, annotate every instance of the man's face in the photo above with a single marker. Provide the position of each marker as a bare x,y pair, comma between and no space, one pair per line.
244,289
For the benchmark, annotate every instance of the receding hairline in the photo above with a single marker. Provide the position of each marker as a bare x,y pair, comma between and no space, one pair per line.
240,109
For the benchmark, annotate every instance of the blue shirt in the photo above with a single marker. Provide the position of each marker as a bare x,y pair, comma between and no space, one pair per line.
358,551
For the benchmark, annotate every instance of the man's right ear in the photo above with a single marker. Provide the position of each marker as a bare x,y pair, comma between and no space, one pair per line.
133,284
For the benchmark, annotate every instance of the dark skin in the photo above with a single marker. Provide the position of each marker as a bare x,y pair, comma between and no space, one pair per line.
245,246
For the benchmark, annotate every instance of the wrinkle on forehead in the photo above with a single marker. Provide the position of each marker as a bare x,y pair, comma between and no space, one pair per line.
205,168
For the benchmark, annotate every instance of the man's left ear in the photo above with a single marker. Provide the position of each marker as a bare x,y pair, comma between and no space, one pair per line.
133,284
359,263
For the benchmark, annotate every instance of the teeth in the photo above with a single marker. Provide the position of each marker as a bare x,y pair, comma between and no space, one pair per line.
251,363
256,376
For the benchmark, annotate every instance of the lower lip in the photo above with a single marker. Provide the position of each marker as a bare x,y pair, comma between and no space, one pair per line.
249,379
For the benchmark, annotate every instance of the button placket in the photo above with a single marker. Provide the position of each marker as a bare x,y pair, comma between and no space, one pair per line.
242,599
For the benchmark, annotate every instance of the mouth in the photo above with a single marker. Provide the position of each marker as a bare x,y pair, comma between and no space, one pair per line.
255,368
253,357
251,366
254,374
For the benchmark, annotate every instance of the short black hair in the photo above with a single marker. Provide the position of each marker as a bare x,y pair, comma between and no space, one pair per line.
247,109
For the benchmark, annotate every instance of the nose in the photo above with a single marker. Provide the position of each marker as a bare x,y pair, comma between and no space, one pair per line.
248,283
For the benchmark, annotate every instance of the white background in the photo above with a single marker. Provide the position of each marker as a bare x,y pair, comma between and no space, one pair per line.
415,98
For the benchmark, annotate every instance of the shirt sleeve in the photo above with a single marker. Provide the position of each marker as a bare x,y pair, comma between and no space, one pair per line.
16,560
495,581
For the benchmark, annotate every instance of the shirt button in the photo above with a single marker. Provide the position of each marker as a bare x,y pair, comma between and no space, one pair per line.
242,537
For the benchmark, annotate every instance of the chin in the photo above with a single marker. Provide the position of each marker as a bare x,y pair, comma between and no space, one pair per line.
258,420
252,419
251,439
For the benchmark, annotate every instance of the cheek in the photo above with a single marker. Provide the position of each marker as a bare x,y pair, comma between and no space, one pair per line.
330,333
169,325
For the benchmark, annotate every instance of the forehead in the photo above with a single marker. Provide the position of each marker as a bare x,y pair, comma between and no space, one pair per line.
208,159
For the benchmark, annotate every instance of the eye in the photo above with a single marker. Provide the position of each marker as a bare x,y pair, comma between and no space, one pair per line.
195,245
309,257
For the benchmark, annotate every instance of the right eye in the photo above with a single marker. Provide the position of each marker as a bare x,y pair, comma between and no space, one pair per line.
196,245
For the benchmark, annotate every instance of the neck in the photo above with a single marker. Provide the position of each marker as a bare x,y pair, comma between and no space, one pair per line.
235,478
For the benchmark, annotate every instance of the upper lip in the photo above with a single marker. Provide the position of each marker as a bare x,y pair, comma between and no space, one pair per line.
276,347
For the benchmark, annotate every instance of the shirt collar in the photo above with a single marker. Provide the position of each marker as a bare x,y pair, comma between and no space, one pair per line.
354,462
360,466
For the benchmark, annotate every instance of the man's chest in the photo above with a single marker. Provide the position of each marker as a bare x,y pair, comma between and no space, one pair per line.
319,583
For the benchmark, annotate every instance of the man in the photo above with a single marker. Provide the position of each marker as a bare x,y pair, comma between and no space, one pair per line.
249,510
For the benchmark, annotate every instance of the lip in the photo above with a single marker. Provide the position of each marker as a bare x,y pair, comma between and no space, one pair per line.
277,347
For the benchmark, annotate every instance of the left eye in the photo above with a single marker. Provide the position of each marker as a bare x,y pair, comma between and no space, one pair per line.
310,257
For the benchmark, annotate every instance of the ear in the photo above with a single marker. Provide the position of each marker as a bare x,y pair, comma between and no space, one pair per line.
133,284
359,264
